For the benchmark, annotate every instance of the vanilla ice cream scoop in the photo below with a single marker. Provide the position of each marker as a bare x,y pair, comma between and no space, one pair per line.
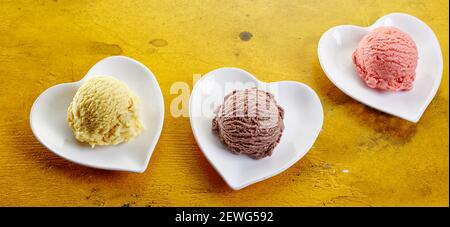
104,111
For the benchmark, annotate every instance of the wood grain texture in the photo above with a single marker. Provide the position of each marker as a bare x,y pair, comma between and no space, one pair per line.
390,162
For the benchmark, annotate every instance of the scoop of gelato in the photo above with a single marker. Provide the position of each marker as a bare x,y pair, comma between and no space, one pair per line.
104,111
249,122
386,59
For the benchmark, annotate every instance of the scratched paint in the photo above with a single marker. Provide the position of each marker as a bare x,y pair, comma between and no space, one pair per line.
245,36
361,158
158,42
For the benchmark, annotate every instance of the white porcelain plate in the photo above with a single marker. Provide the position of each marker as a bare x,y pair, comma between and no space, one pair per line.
335,51
48,119
303,122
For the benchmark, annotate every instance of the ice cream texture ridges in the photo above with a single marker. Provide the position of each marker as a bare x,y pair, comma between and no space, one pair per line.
104,111
249,122
386,59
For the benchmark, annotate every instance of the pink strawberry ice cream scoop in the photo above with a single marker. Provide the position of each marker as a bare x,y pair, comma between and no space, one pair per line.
386,59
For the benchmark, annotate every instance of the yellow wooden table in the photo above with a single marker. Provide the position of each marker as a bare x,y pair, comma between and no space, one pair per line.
356,161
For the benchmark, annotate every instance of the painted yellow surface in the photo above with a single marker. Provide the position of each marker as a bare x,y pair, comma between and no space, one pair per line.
362,157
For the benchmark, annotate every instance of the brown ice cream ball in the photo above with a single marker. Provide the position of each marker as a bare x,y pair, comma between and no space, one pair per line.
249,122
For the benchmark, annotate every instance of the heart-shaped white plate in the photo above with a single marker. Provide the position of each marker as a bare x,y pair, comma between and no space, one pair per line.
48,119
335,51
303,122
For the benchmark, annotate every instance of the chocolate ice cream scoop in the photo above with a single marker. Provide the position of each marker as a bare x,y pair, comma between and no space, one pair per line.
249,122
